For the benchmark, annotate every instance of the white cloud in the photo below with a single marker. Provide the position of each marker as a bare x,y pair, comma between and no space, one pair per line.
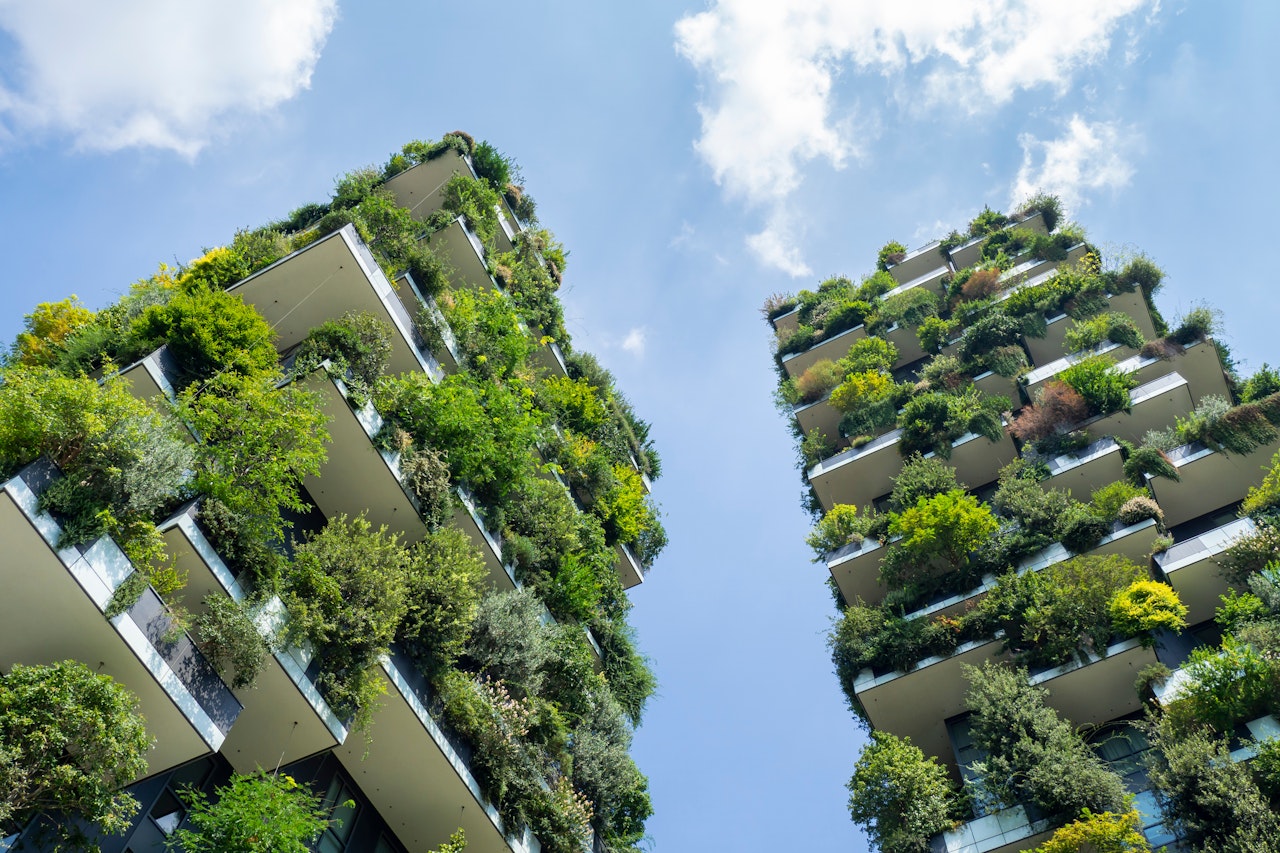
634,341
153,73
776,247
1087,157
769,70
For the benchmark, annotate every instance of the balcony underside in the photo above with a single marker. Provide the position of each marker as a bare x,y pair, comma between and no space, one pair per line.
831,349
1098,691
420,189
409,771
284,717
1210,479
52,610
1053,345
1194,568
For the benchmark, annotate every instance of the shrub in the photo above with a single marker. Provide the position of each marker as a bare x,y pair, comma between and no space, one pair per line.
839,527
1107,832
949,526
208,332
445,579
890,253
491,165
1034,757
987,333
1227,685
900,797
798,339
358,346
934,333
1142,273
1048,206
860,389
1039,511
1058,406
777,304
1004,361
817,380
909,307
346,594
487,331
1113,326
815,446
1198,324
46,329
1107,500
1140,508
1238,610
1049,615
1081,529
1263,383
980,284
1141,461
933,420
1104,388
1146,606
987,222
230,639
921,477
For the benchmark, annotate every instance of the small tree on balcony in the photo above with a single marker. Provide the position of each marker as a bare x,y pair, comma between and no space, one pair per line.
900,796
257,813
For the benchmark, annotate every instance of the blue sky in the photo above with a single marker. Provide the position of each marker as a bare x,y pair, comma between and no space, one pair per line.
693,159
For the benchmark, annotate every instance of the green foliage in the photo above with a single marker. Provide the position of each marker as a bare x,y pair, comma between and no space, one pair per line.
815,447
1146,606
46,330
487,331
475,201
1113,326
839,527
1239,609
255,564
491,166
257,813
1106,832
988,333
1210,800
70,740
427,477
445,579
357,346
1034,757
209,332
1263,383
1107,500
908,308
347,593
1104,388
355,186
1140,461
946,526
230,639
259,443
1048,206
486,430
935,333
890,253
819,378
987,222
921,477
123,463
1142,273
900,797
531,284
933,420
1227,685
1049,615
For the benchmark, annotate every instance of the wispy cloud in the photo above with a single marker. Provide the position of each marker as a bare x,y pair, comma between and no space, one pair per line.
152,73
634,341
769,71
1085,158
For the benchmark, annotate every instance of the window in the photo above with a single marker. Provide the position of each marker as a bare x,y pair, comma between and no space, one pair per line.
169,809
341,819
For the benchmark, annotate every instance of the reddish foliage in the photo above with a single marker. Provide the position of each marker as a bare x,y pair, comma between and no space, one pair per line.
1058,407
981,283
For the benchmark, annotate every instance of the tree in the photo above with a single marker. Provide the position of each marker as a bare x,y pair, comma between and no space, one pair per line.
949,526
899,796
256,813
1033,756
70,740
446,578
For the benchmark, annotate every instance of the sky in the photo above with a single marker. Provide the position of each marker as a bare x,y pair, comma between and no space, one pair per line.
694,158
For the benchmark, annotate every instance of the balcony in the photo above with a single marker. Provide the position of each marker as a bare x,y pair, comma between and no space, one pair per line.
152,378
1053,345
463,254
832,348
906,342
1096,688
1154,405
1028,268
934,278
1198,364
629,567
415,304
1035,380
916,703
1006,831
920,263
821,416
418,781
1192,567
1133,542
861,474
785,324
1087,469
970,253
1209,479
994,385
325,280
357,477
421,188
53,609
285,719
856,570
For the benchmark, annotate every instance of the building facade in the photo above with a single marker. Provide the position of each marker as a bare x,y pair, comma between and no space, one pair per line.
1015,463
408,333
